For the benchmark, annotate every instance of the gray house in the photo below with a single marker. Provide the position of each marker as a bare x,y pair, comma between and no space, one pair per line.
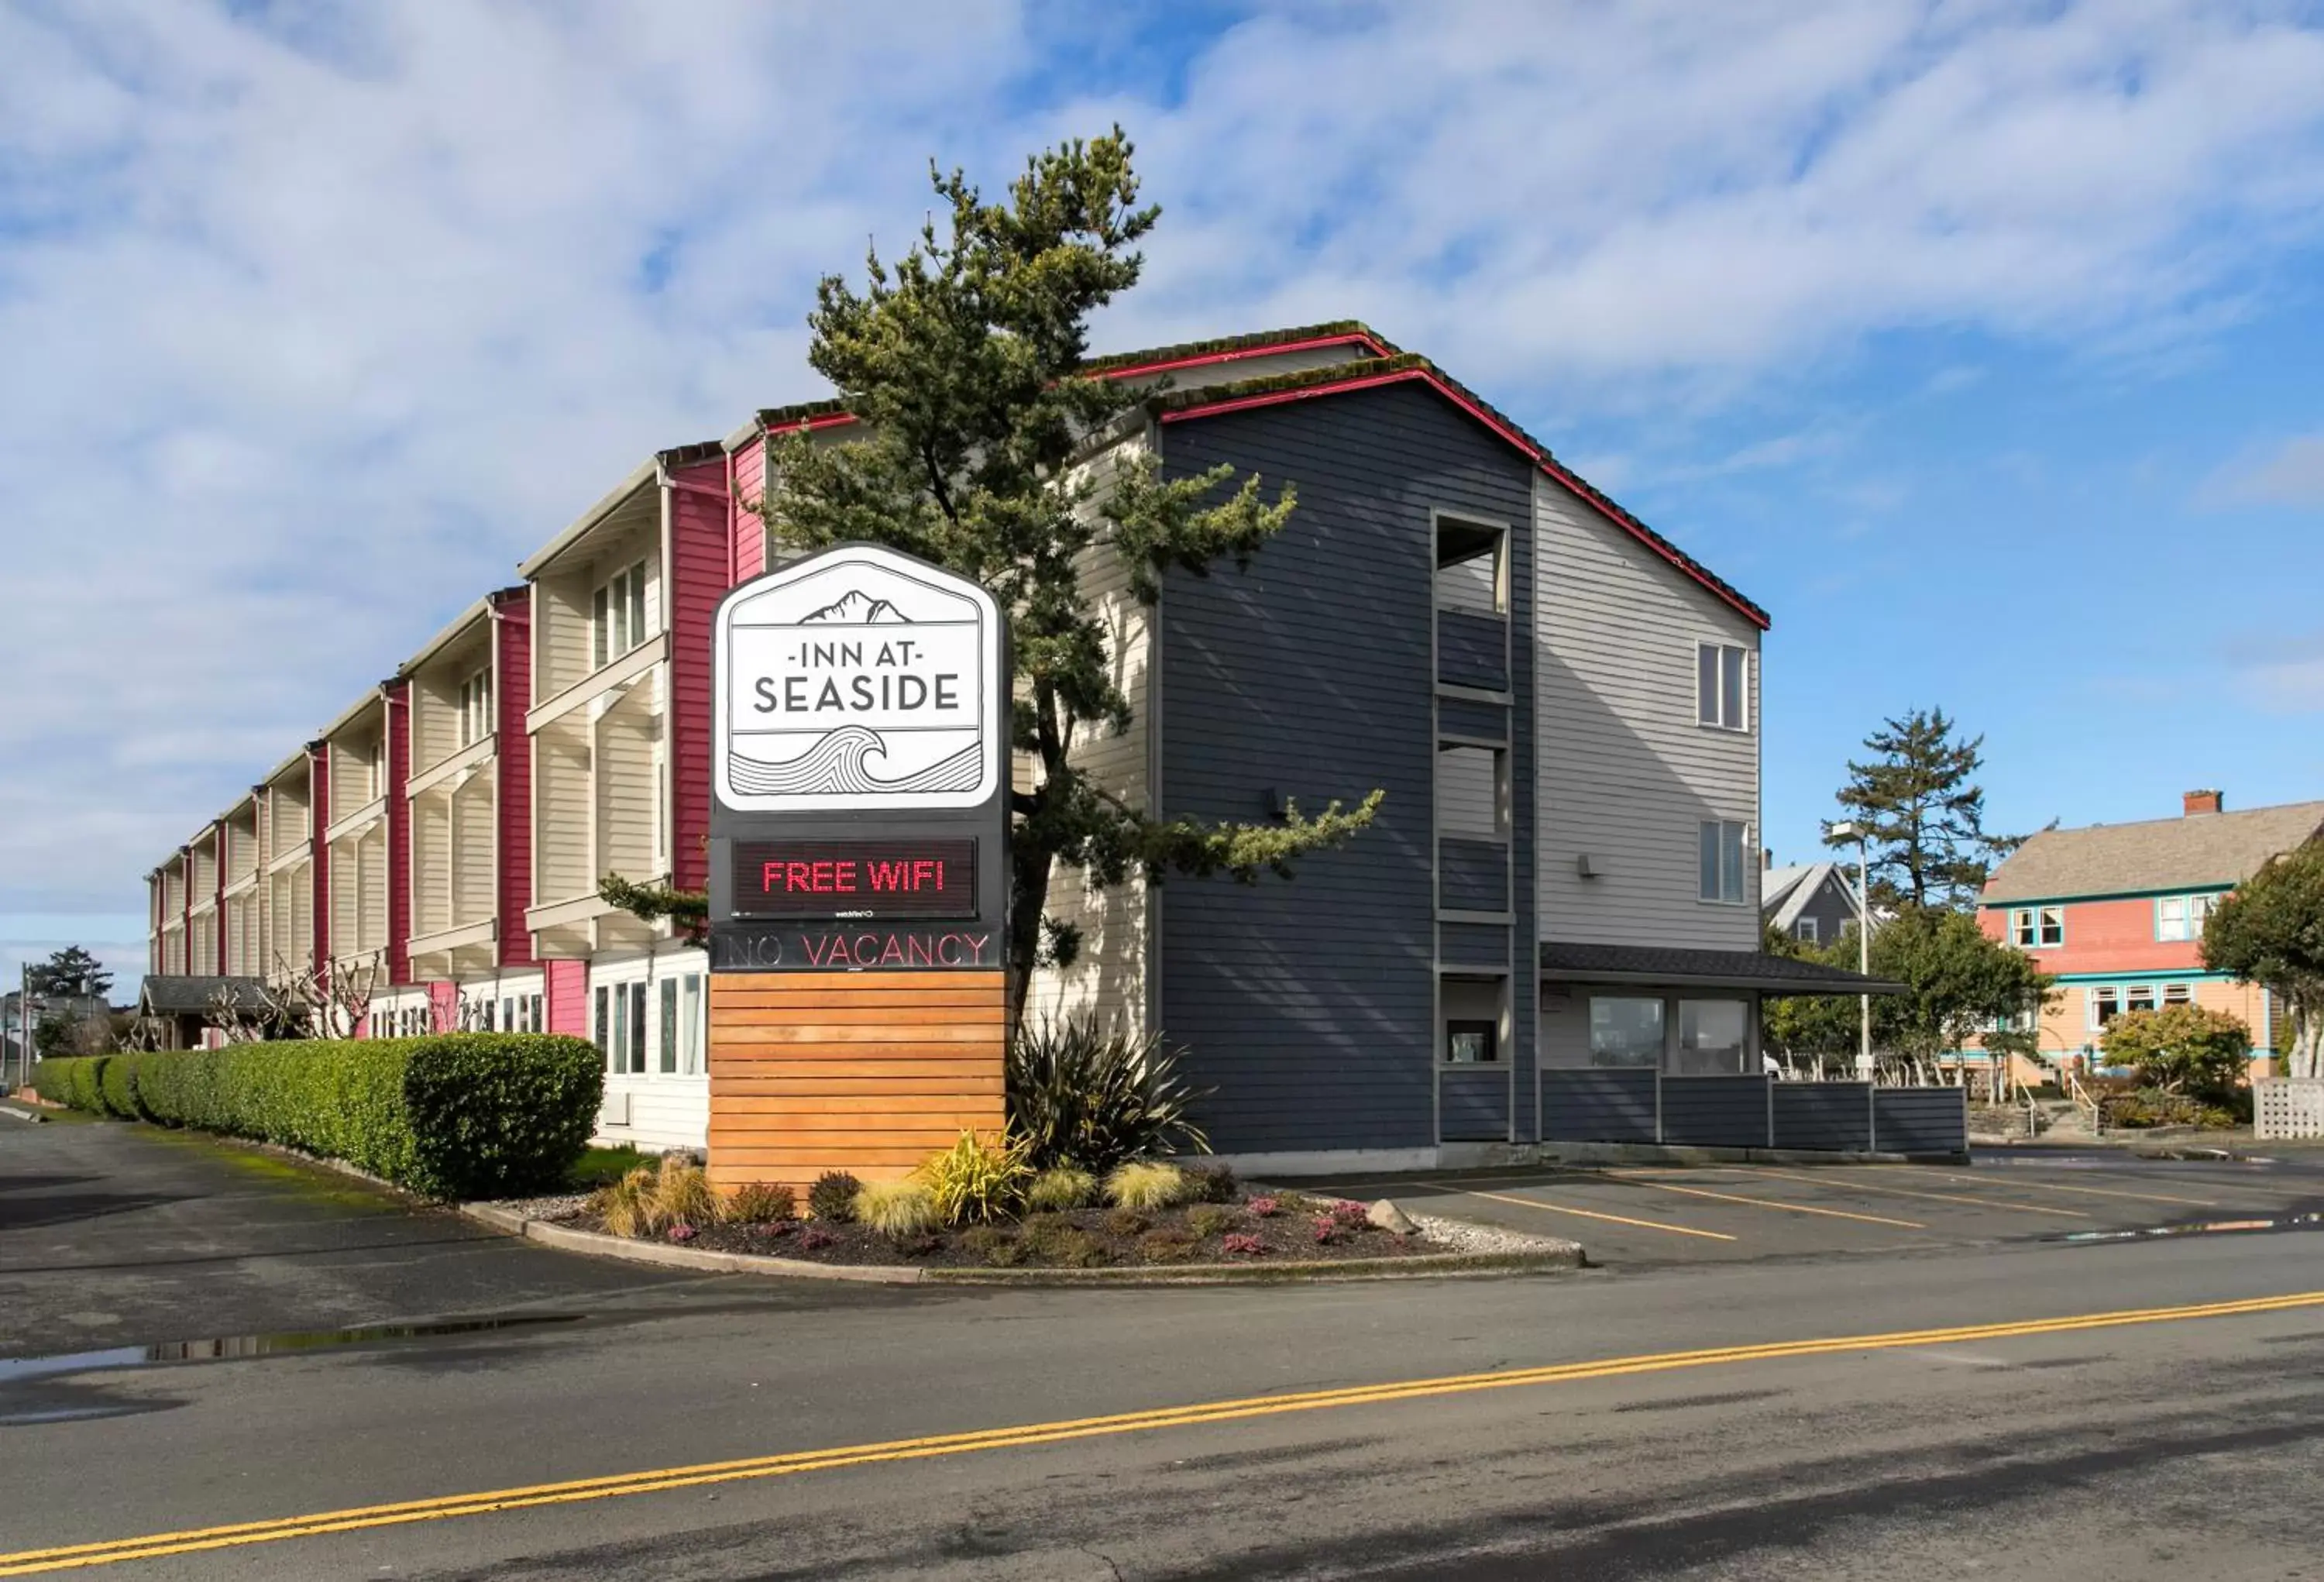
1812,902
1562,708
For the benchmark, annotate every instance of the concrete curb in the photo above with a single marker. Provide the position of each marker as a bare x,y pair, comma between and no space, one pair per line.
1425,1266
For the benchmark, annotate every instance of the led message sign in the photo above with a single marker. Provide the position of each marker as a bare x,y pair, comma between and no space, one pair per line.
903,878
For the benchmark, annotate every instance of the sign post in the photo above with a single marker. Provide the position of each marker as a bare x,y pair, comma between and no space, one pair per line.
858,868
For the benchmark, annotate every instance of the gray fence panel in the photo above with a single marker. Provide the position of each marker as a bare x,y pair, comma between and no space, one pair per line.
1473,1104
1920,1120
1598,1106
1824,1115
1715,1112
1467,717
1472,651
1472,875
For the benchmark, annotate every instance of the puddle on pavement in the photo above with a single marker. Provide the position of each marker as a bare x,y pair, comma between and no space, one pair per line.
2207,1227
234,1347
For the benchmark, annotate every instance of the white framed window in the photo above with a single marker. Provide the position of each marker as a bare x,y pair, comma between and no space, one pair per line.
617,614
2037,928
693,1025
1808,931
1724,843
1712,1037
476,708
1625,1030
2103,1003
2183,917
621,1027
533,1020
1722,686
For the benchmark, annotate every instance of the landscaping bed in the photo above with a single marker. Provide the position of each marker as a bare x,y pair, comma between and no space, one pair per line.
1253,1227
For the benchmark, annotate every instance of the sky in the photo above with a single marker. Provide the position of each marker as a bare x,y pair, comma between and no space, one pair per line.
1977,341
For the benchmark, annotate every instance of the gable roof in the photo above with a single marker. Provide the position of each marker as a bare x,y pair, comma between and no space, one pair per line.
179,995
1371,373
1787,891
2188,853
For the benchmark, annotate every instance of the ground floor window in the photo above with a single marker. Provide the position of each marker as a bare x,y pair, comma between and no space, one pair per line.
621,1027
2104,1002
1711,1037
1624,1031
1472,1043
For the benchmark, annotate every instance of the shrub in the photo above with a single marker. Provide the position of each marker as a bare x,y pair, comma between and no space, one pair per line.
1208,1219
53,1080
1242,1244
1080,1093
2181,1049
761,1203
976,1179
628,1206
897,1210
833,1197
455,1115
1168,1244
1327,1230
1265,1208
1350,1213
978,1241
602,1167
1061,1189
1052,1239
1128,1222
1212,1183
1147,1184
116,1085
682,1193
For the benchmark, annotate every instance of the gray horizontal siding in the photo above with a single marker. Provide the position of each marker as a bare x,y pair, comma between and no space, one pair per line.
1466,717
1597,1106
1472,651
1309,1006
1920,1120
1474,1103
1472,875
1715,1112
1823,1115
1473,944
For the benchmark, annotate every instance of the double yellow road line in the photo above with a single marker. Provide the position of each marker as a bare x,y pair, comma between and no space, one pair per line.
155,1546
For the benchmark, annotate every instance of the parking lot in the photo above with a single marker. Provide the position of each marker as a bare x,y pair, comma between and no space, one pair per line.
1655,1215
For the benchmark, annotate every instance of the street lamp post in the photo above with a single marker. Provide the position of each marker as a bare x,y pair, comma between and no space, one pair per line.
1850,830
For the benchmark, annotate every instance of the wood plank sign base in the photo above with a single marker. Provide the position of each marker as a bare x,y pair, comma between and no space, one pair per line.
864,1072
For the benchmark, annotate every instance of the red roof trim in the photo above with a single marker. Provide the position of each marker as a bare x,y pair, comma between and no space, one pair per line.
827,421
1242,353
1533,453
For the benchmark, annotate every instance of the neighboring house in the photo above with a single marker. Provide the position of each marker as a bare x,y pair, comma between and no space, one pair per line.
2116,913
182,1007
1562,706
1812,902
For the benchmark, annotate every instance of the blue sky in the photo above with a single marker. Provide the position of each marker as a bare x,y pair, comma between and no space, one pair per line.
1978,340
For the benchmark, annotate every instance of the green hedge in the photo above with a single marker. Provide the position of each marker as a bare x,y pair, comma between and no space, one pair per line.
470,1114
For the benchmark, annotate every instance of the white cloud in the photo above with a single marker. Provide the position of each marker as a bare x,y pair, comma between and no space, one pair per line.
2289,473
317,320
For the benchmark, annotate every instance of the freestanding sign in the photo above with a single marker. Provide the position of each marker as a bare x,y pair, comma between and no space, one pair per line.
859,871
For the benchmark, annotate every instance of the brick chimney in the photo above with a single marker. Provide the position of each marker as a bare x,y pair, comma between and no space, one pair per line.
2199,801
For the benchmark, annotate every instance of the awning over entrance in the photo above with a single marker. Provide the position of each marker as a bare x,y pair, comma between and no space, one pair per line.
1670,967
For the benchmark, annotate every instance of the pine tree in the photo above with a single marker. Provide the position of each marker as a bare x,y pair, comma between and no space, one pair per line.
963,364
1923,813
70,971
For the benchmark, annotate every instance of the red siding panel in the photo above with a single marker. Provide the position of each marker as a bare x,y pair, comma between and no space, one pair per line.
749,468
512,699
443,1006
568,997
399,832
700,520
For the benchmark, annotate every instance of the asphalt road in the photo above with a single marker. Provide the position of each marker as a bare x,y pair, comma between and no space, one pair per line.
1488,1429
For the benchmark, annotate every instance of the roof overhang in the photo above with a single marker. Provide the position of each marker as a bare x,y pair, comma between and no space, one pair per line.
455,631
352,713
647,473
1654,966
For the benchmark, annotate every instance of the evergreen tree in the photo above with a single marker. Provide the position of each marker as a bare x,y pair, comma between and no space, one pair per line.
70,971
963,363
1924,813
2271,931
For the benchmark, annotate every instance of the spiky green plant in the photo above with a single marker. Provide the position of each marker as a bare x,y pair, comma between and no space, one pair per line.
761,1203
897,1210
1082,1093
1147,1184
977,1180
627,1206
683,1194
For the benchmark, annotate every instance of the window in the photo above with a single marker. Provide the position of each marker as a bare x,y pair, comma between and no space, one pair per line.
617,614
605,1027
621,1027
692,1030
2183,917
534,1023
1711,1038
670,1025
1469,569
1721,871
2103,1003
1808,930
2036,927
484,1017
1721,686
1471,792
1625,1031
476,708
636,1026
508,1014
1471,1044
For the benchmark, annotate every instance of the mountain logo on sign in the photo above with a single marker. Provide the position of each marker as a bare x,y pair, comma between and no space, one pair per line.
857,608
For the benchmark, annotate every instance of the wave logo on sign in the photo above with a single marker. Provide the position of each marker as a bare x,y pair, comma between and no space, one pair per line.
860,677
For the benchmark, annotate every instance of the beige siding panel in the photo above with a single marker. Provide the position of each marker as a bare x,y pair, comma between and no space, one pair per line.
472,877
1627,776
560,803
625,800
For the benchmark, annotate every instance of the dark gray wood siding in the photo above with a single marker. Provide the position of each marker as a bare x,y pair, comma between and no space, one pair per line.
1462,716
1715,1112
1614,1105
1920,1120
1824,1115
1309,1005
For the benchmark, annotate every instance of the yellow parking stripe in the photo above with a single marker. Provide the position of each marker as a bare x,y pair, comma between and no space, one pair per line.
1683,1230
1770,1203
2058,1187
155,1546
1906,1192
